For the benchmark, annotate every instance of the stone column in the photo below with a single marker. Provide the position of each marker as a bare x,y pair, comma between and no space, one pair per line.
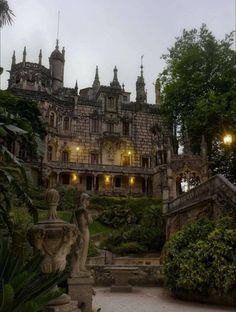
81,290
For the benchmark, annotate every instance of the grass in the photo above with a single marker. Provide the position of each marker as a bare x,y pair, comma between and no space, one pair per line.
22,217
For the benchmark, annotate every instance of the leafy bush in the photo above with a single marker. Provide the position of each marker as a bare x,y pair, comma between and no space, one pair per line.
201,258
129,248
69,197
139,220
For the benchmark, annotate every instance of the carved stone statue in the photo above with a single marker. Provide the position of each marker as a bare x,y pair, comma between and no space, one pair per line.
82,219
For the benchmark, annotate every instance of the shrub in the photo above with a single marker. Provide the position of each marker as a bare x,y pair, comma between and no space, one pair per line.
69,198
128,248
201,258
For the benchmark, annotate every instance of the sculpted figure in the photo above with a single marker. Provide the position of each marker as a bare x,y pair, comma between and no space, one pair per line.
81,218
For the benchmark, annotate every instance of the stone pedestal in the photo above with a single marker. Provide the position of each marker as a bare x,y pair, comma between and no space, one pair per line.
121,277
81,289
62,304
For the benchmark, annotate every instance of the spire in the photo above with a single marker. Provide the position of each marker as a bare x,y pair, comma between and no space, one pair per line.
123,87
63,51
57,44
76,87
40,57
96,82
24,55
141,95
13,58
142,66
115,83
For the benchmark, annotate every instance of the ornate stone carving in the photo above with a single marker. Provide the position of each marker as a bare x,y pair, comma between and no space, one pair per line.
53,237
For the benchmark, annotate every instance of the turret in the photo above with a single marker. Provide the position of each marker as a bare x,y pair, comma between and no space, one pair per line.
24,56
115,83
76,87
141,95
158,92
40,57
56,61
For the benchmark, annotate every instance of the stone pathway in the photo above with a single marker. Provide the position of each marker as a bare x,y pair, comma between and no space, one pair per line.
145,299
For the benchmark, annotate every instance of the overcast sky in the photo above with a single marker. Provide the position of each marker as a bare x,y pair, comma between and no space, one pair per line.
108,33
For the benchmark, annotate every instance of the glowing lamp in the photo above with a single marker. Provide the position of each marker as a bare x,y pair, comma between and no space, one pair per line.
227,139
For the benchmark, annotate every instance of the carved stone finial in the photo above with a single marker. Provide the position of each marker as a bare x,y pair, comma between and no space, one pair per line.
52,197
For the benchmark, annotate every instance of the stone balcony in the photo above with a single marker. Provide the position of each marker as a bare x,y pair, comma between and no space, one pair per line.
90,168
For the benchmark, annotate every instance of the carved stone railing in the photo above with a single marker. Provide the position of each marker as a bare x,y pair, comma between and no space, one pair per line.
216,186
99,168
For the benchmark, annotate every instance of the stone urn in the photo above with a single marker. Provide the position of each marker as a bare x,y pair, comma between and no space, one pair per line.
53,237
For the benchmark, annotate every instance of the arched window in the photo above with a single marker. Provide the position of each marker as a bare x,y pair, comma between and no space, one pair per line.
52,119
49,153
66,124
65,156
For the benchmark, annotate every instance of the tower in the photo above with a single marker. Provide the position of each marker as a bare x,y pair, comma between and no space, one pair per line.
141,95
56,61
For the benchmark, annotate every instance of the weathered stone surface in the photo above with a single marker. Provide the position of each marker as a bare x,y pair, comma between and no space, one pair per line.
143,276
81,290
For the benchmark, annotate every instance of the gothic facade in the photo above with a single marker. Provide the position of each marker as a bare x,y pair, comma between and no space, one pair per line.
99,140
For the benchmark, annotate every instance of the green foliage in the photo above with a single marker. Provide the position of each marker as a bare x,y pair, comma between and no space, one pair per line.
201,258
22,287
199,88
135,220
129,248
13,180
69,197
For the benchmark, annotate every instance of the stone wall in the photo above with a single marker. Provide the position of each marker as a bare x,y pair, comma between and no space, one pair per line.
144,276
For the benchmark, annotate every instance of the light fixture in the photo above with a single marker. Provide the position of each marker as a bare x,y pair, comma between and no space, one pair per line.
74,177
131,180
77,148
107,179
227,139
129,152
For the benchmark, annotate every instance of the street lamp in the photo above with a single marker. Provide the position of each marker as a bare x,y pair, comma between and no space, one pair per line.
227,140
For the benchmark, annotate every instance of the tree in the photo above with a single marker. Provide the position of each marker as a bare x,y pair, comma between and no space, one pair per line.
20,123
6,14
199,88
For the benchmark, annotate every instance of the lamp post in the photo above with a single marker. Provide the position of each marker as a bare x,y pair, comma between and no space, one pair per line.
227,140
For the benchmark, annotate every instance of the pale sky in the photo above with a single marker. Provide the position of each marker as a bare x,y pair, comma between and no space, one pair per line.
108,33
